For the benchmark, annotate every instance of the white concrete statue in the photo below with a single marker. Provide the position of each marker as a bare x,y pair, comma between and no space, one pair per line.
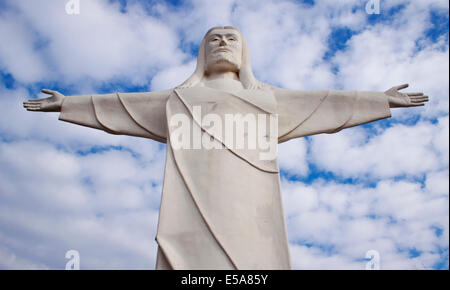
222,208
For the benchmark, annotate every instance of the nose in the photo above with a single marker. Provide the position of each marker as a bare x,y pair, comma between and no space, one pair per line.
223,42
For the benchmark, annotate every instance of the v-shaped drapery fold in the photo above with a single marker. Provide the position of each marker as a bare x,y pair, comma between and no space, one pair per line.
216,102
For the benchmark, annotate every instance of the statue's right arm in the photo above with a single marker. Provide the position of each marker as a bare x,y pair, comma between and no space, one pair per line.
135,114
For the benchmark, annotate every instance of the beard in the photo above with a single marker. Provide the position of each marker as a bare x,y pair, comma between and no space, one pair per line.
222,62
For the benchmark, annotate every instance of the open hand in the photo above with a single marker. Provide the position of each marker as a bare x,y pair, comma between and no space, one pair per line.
397,99
51,104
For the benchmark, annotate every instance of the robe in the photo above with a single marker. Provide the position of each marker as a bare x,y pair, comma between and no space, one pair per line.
222,208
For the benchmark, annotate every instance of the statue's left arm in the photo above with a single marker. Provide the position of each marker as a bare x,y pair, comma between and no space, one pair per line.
304,113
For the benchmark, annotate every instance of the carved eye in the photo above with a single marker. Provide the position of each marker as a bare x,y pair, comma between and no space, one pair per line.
232,39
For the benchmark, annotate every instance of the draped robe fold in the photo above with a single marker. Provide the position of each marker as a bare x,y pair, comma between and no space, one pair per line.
222,208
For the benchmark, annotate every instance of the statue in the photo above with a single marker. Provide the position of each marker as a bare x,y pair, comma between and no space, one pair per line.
221,208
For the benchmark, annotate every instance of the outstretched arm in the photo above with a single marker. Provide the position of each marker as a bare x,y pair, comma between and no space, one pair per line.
304,113
135,114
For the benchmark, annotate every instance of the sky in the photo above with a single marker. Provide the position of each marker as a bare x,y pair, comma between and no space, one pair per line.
383,186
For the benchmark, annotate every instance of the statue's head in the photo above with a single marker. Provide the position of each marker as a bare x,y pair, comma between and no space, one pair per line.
223,49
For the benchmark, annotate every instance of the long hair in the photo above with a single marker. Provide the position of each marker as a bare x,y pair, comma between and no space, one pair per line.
246,76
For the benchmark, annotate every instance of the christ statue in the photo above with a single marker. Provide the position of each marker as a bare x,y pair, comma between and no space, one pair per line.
221,206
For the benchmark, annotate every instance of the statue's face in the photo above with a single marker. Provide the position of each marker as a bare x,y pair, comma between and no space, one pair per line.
223,50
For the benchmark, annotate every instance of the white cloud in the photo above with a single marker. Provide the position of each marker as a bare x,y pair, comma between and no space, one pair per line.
335,228
172,77
17,54
100,43
109,218
386,55
292,157
399,150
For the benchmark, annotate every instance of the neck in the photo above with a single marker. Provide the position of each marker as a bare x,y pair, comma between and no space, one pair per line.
222,75
224,84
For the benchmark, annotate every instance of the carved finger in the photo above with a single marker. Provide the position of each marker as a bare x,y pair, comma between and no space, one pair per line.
33,109
32,106
420,97
38,100
419,100
49,92
31,103
415,94
401,87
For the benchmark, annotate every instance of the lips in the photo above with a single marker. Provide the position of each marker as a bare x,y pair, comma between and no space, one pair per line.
222,50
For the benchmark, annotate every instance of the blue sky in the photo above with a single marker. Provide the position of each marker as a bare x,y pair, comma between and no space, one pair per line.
382,186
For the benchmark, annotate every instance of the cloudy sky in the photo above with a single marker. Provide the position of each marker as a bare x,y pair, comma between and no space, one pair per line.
382,186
